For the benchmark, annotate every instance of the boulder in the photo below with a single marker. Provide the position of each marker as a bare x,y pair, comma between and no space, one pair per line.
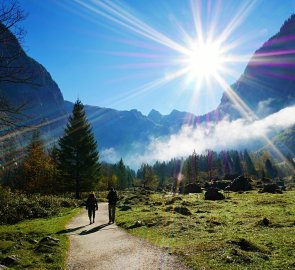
179,209
10,260
271,188
241,183
48,240
265,222
137,224
125,207
230,176
281,184
192,188
221,184
173,200
266,180
213,194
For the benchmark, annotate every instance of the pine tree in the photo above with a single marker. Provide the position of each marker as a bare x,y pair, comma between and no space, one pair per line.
237,167
271,170
250,168
194,172
121,174
78,156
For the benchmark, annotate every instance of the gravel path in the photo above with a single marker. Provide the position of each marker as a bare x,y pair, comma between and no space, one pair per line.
107,247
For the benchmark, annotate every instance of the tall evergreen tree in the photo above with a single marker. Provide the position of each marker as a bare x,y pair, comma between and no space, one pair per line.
270,169
250,168
78,155
121,174
237,167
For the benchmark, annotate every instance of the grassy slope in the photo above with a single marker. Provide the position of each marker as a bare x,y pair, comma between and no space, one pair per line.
211,237
21,239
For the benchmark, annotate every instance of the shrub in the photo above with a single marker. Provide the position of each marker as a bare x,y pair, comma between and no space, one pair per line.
17,206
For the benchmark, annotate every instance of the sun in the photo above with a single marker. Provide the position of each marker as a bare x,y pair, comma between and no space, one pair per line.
204,59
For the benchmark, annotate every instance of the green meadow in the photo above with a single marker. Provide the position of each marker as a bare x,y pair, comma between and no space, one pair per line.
247,230
24,242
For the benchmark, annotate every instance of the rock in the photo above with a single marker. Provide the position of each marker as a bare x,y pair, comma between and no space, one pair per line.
229,259
192,188
49,258
266,180
230,177
3,267
157,203
43,248
265,222
46,244
48,240
222,184
281,184
173,200
271,188
125,207
241,183
213,194
179,209
11,260
32,241
186,203
138,223
151,224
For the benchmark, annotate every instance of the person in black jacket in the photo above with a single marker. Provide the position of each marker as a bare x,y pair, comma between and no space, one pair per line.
91,206
112,199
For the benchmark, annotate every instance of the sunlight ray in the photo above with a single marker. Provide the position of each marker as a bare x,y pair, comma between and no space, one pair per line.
196,7
250,115
237,101
120,16
239,17
148,86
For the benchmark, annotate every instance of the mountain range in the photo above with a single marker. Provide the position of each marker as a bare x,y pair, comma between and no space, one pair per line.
266,86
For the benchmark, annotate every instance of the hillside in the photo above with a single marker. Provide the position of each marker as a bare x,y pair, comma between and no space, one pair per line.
33,87
284,141
267,84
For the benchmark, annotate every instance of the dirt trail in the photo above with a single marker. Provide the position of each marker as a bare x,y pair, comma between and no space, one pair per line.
102,246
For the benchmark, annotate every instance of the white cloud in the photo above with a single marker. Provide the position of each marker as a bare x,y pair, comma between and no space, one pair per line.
264,106
226,134
109,155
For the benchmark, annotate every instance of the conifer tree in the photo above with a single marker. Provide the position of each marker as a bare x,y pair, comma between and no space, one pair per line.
78,156
271,170
121,174
250,168
237,168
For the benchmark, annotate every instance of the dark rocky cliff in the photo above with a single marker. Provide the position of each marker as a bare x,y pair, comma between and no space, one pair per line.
268,82
32,86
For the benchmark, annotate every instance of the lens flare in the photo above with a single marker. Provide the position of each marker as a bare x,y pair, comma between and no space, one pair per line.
205,59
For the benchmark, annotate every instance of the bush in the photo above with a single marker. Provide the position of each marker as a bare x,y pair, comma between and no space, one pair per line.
17,206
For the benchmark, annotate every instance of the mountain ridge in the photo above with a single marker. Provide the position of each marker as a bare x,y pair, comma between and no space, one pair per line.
265,86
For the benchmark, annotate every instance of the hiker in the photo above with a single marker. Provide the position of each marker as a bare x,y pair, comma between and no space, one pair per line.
91,206
112,199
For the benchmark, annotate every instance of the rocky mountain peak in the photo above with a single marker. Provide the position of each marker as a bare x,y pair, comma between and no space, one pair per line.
155,116
267,84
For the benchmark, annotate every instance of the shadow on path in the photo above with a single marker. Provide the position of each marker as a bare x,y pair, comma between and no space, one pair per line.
93,230
71,230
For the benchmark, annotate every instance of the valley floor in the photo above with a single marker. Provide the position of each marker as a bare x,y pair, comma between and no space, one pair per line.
248,230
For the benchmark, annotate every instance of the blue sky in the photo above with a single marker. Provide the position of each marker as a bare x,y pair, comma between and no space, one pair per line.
110,56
